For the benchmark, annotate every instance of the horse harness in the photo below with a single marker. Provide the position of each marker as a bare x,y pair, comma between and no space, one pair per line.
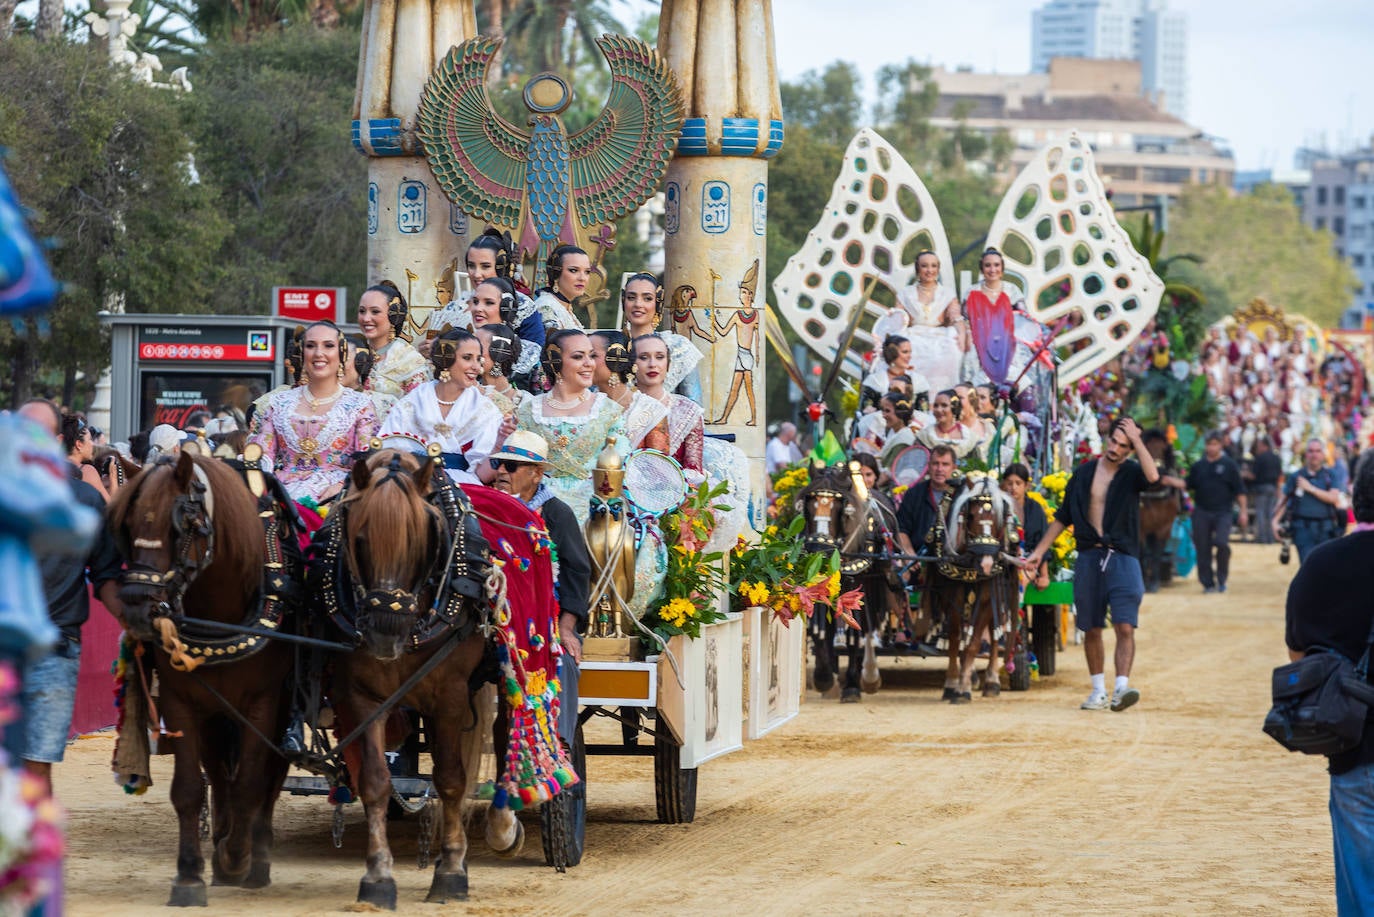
457,573
193,516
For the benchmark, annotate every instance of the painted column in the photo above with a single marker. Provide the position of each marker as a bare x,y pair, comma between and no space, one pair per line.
413,231
716,204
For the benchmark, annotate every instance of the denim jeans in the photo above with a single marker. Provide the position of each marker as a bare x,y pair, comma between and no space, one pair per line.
1352,827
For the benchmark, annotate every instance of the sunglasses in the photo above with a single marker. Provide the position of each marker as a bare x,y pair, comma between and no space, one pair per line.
508,464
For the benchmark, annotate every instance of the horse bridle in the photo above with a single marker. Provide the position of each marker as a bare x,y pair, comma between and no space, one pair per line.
825,540
193,516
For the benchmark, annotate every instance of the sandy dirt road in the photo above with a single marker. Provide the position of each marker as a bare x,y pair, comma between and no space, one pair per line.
901,804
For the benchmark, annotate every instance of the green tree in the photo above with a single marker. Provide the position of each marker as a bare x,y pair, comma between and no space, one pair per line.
906,100
270,128
1257,245
826,103
104,163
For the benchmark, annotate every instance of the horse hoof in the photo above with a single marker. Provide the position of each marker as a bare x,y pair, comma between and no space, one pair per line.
227,879
515,846
259,876
449,886
871,687
992,689
949,694
823,681
188,896
962,697
850,696
381,893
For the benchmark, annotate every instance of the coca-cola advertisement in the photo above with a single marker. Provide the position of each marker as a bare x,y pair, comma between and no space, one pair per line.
172,397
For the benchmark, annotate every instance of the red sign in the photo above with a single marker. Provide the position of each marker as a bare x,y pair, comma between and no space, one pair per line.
308,304
201,343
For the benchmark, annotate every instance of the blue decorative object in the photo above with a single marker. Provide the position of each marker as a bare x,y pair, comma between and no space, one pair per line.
383,137
26,283
760,201
715,207
411,210
738,137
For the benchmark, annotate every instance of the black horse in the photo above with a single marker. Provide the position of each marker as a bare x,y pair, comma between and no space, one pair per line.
841,516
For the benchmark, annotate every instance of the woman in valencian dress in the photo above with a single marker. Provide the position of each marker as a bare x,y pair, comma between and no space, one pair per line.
568,269
928,315
453,411
574,419
990,308
499,349
310,433
641,301
683,431
614,370
396,366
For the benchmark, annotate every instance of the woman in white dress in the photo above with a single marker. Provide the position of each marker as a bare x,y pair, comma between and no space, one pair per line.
396,366
453,411
682,432
310,433
569,268
928,314
614,366
573,419
947,429
493,254
641,301
499,349
894,373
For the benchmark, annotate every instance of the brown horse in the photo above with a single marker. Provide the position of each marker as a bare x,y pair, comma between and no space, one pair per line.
973,585
395,547
1159,507
194,542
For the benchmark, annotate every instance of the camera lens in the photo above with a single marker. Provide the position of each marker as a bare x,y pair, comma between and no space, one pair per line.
1284,554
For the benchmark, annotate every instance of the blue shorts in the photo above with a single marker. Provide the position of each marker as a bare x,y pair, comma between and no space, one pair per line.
48,698
1105,579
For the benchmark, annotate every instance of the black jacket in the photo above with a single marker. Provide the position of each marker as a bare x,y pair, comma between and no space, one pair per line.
65,576
918,512
1120,516
574,561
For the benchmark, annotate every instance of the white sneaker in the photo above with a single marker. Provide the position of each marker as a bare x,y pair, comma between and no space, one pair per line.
1124,698
1095,702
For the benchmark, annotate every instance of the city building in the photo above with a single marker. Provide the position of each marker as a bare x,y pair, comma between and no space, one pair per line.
1140,30
1145,155
1297,181
1341,199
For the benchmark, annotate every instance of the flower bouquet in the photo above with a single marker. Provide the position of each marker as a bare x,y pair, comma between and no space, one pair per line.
776,572
787,483
30,825
695,577
1049,493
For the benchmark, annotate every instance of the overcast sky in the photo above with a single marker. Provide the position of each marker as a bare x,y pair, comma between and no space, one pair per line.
1265,75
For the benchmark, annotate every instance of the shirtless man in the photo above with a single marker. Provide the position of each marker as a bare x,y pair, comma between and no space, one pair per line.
1102,503
745,321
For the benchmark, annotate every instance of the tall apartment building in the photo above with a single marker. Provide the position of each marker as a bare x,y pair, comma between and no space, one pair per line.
1141,30
1341,199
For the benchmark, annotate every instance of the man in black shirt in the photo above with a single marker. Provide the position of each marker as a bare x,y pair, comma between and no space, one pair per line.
921,504
519,465
1102,503
48,693
1263,486
1215,482
1311,493
1329,607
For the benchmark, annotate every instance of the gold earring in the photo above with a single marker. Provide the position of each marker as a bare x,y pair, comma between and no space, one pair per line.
340,373
392,335
445,376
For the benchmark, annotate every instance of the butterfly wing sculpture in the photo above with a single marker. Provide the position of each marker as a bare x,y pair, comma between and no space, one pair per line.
545,186
1060,241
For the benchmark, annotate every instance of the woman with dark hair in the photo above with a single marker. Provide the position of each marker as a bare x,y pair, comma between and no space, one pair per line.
927,314
893,372
310,433
569,268
1016,481
574,419
453,411
613,375
989,309
897,412
397,368
491,255
683,427
500,347
946,430
641,303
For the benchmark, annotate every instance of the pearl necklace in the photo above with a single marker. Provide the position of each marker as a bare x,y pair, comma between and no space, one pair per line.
326,400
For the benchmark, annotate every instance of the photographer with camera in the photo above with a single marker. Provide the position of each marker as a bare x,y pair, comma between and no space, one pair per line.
1311,506
1329,609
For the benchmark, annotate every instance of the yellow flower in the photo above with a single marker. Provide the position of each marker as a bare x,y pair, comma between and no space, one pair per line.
676,612
834,586
771,530
754,593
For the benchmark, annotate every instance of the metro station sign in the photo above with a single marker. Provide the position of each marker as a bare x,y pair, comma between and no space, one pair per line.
310,304
202,343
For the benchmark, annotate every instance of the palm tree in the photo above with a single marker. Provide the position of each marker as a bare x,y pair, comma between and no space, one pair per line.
549,33
1181,309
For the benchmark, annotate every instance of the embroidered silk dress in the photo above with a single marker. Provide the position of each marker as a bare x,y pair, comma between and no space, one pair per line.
556,312
574,443
506,401
935,351
399,368
467,432
641,417
682,376
312,455
992,325
686,436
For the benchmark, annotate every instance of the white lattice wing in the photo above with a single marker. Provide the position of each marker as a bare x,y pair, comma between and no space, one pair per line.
1062,244
879,217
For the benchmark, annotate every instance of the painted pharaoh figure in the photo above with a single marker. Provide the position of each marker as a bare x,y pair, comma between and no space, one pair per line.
745,323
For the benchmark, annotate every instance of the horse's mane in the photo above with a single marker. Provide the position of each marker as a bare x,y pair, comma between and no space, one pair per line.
1001,504
391,504
238,531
